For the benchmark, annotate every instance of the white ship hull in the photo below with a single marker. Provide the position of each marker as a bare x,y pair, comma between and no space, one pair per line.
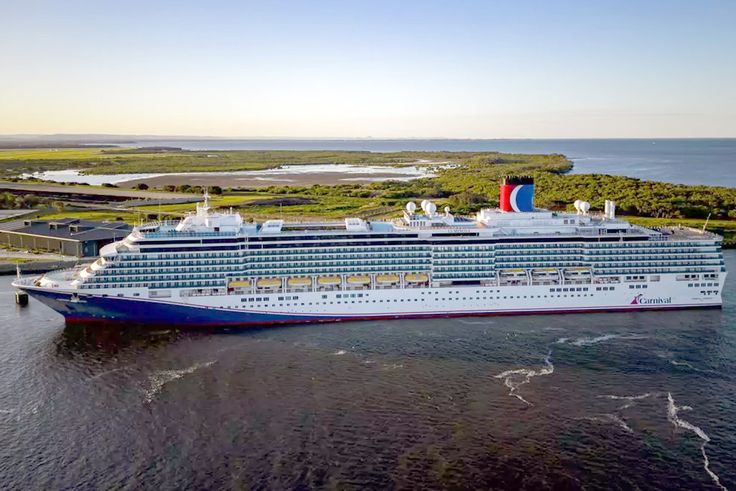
135,306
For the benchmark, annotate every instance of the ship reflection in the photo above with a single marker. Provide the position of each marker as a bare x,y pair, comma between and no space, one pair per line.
101,338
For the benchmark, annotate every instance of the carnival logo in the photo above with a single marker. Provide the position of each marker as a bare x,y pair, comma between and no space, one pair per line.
640,299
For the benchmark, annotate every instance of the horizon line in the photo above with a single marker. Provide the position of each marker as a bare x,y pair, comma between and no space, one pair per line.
346,138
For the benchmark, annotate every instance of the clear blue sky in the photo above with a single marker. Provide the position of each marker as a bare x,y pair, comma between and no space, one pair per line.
486,69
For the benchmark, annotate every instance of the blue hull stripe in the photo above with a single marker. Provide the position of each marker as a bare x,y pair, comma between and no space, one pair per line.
153,312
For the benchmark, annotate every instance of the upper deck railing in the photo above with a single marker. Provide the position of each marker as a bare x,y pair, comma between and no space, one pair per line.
328,228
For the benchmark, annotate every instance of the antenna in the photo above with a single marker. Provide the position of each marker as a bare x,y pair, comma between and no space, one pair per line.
206,199
705,224
17,271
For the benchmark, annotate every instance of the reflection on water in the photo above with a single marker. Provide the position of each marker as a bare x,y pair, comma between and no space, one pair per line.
78,339
637,400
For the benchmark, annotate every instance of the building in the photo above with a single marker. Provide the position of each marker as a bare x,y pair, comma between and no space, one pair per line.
69,236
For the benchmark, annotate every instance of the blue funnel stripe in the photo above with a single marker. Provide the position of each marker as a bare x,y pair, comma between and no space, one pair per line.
522,198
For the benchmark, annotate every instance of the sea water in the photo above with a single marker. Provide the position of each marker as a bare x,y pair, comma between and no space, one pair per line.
596,401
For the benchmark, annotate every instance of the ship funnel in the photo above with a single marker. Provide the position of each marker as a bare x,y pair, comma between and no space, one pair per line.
517,194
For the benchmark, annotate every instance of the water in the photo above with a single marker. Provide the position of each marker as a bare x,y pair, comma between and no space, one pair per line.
670,160
283,174
567,401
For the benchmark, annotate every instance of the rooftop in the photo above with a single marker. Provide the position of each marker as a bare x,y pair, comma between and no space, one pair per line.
69,228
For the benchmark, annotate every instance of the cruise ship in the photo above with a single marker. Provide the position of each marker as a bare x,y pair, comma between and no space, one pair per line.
212,268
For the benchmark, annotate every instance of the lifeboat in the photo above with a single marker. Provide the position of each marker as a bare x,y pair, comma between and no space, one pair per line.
387,278
513,272
416,278
299,281
359,280
268,282
240,284
545,271
329,280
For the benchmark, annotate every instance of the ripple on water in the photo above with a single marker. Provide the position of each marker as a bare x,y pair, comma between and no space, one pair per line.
377,405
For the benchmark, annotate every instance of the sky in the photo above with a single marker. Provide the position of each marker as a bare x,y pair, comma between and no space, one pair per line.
382,69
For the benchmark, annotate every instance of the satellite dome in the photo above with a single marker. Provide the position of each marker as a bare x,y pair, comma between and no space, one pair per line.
431,208
424,205
584,206
577,204
447,210
411,207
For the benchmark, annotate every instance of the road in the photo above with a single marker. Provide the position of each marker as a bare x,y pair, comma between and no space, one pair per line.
5,254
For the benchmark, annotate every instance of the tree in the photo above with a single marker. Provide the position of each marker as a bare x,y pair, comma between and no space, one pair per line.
141,186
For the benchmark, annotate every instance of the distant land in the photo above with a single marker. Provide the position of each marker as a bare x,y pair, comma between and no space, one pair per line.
664,159
367,184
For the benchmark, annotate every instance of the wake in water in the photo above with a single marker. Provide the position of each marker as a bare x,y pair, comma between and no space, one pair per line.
611,418
587,341
481,322
682,364
163,377
615,418
631,400
106,372
513,379
672,410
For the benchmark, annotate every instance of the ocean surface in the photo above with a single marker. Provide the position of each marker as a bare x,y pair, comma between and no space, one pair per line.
708,161
589,401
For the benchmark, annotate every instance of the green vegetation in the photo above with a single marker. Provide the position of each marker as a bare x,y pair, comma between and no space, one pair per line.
127,161
466,182
12,201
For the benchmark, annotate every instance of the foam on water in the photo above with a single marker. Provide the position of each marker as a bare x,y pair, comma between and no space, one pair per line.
482,322
589,341
162,377
631,400
513,379
672,410
107,372
681,364
610,418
